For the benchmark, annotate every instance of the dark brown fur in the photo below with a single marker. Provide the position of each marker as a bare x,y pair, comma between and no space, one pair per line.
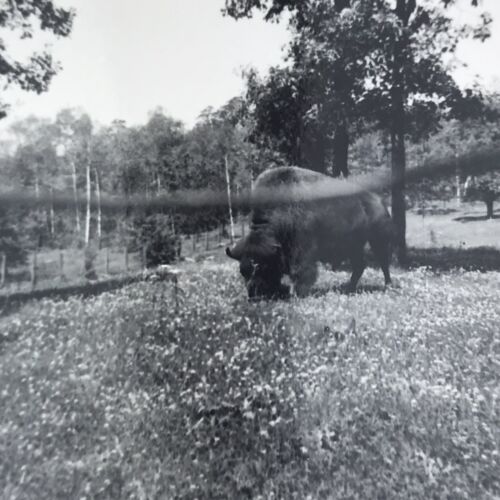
291,238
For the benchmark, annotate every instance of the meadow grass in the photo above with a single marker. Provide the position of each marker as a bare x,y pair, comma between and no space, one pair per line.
382,394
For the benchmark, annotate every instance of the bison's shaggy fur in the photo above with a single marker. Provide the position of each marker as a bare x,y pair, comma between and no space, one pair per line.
317,219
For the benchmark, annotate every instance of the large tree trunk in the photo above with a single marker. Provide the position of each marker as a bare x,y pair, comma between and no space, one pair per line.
75,197
340,151
343,87
229,203
404,9
99,213
87,216
398,166
489,198
489,209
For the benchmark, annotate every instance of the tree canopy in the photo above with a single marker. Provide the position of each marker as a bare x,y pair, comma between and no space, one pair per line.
26,18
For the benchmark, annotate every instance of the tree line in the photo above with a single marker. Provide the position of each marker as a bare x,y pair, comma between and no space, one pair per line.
72,154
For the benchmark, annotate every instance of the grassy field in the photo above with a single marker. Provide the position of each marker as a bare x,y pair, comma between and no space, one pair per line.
383,394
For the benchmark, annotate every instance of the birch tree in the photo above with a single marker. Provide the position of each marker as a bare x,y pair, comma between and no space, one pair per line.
75,129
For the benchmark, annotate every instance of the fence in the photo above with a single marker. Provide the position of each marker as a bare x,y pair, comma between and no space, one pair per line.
55,268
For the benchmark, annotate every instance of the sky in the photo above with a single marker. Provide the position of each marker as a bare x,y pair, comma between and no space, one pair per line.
124,58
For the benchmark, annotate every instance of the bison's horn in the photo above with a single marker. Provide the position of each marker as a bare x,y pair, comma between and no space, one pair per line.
238,249
232,253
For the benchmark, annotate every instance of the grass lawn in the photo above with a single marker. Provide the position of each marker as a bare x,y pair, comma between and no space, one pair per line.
450,225
382,394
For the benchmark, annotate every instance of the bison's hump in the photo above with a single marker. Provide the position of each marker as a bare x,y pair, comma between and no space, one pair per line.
283,176
303,184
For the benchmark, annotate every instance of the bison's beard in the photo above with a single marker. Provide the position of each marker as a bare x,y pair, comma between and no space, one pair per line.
267,288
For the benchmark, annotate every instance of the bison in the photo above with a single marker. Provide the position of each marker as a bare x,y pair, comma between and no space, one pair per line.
307,225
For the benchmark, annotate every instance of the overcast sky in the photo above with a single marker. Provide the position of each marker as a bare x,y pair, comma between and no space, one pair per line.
126,57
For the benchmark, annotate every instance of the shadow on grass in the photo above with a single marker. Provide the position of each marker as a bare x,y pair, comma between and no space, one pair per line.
475,218
11,303
435,211
447,258
443,259
342,289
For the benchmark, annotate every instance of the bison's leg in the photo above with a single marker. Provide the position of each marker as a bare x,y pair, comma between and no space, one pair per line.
382,251
304,277
358,266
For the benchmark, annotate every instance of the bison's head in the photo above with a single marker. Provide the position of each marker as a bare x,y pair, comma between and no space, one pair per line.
261,265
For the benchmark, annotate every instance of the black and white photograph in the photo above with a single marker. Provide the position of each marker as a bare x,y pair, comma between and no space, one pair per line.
249,249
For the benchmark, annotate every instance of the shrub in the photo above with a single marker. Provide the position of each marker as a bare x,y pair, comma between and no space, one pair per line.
157,239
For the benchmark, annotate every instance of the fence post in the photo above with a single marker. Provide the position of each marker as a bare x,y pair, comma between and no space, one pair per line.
126,258
61,265
33,280
143,257
107,259
207,241
3,267
194,242
90,255
179,247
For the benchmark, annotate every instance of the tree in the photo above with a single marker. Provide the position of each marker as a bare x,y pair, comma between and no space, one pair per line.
25,18
487,190
36,167
311,107
162,136
35,155
75,136
403,49
277,107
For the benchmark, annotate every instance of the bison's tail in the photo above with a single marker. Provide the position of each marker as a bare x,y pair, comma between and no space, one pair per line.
389,228
383,235
381,221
